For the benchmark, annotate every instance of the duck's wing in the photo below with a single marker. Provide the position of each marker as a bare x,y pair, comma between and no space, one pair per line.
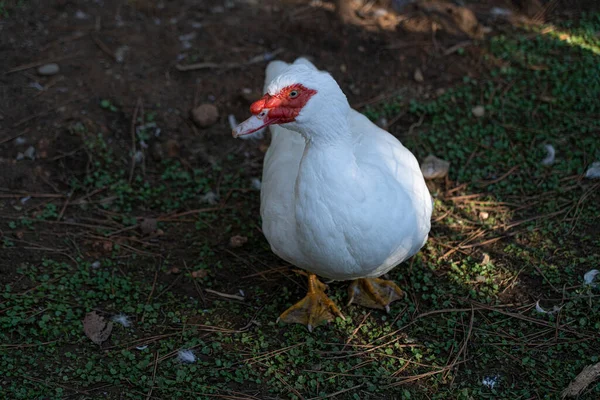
395,174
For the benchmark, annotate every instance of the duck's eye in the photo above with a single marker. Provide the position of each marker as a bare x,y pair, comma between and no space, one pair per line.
293,94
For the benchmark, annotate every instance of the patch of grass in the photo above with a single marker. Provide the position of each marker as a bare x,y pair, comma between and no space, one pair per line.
511,233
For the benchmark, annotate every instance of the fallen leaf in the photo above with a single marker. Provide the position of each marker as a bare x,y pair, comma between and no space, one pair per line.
237,241
588,375
433,167
201,273
96,328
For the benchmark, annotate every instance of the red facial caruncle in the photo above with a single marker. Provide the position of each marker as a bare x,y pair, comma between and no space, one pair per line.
280,108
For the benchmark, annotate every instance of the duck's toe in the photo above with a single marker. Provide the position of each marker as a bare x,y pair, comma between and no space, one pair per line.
374,293
313,310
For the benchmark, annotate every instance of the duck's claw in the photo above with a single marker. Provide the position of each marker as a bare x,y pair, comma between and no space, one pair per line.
314,309
374,293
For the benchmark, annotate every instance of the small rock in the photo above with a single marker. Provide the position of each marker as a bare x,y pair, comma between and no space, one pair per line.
20,140
483,215
237,241
148,226
343,68
433,167
48,69
96,264
205,115
174,271
418,76
478,111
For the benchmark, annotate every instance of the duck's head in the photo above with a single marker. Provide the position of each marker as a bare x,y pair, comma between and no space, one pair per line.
300,99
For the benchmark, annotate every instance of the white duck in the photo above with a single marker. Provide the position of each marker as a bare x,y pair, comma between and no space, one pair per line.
340,197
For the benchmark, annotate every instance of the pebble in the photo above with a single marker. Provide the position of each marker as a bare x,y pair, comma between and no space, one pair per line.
237,241
205,115
48,69
418,76
478,111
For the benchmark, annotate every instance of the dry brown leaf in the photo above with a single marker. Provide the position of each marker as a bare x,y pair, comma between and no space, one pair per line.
173,270
433,167
201,273
237,241
96,328
582,381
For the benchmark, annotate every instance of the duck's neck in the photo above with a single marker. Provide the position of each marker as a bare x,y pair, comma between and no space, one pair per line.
327,130
328,163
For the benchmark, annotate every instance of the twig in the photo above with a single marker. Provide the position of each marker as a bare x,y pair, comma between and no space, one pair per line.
133,147
338,392
37,63
11,138
416,124
38,195
457,47
103,47
504,176
227,296
231,65
62,211
153,375
150,295
31,117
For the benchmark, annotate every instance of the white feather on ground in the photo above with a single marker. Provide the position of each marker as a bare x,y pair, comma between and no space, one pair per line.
122,319
186,356
549,160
